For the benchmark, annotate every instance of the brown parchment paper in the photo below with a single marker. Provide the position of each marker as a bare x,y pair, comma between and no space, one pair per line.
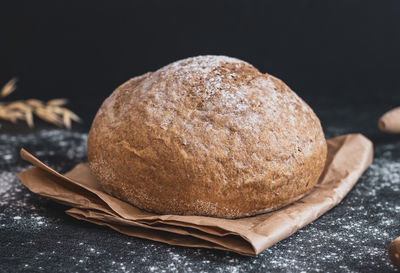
348,157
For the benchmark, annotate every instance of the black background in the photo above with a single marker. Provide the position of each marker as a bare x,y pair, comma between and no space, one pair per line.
342,57
329,52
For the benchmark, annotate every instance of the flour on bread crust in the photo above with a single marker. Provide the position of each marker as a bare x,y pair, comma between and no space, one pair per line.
208,135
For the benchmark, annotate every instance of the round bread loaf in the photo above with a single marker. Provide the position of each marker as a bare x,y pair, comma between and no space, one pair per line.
208,135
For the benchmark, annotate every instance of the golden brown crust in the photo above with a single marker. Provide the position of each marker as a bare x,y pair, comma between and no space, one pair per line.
208,135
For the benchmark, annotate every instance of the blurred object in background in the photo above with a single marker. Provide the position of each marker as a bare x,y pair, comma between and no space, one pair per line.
390,121
51,111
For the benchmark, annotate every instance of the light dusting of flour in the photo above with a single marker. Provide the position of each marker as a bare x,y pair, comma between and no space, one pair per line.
36,235
218,113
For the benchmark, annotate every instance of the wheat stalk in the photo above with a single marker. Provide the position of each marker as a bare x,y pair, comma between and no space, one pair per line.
52,111
8,88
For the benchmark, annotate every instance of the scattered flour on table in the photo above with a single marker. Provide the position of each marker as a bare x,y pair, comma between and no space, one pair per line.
19,208
352,237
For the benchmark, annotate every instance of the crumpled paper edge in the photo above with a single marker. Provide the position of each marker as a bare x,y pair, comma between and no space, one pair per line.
353,154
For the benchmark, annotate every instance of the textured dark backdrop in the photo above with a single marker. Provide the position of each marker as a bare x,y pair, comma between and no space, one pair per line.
342,57
82,50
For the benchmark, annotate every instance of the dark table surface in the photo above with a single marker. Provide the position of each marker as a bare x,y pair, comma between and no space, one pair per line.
341,56
36,235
